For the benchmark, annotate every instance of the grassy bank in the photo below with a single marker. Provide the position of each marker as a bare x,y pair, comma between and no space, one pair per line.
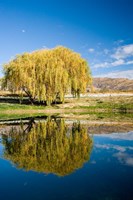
100,106
91,103
103,117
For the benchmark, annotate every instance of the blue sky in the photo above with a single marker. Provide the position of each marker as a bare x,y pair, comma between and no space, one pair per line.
100,30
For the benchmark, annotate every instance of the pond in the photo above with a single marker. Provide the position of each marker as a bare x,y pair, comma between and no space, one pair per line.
54,158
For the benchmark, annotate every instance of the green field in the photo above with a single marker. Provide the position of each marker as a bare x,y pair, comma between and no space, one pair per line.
100,106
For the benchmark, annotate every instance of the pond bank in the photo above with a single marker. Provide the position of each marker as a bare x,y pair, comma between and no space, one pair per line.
109,106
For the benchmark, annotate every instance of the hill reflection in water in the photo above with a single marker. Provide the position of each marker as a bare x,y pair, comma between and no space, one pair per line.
48,146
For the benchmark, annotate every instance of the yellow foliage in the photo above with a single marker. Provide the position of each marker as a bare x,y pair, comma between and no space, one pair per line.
46,75
48,147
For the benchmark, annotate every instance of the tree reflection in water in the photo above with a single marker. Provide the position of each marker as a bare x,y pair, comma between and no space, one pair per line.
50,146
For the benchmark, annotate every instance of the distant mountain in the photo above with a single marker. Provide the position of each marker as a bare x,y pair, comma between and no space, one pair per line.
113,84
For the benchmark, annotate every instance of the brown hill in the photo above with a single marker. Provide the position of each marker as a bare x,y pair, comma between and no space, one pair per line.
113,84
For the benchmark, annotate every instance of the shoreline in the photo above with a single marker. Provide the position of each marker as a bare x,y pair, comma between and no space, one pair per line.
105,106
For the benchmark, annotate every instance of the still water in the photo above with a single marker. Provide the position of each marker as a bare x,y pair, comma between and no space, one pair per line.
58,159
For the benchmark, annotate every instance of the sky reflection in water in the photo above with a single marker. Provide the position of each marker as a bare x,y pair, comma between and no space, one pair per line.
100,166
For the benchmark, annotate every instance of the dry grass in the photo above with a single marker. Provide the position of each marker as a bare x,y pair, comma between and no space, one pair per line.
97,102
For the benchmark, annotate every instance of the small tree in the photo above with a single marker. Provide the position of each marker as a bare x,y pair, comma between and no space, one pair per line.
46,75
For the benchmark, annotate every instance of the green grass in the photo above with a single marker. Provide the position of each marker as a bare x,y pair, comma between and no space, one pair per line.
108,106
19,116
8,106
9,111
90,116
101,107
123,106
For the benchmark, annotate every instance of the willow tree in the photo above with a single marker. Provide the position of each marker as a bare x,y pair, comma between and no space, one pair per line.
48,147
0,83
47,75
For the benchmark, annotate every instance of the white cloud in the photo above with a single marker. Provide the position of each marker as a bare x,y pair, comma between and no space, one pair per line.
91,50
116,147
129,62
112,64
101,65
118,42
123,52
122,155
109,64
118,62
123,55
106,51
45,47
93,162
124,158
118,74
118,136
